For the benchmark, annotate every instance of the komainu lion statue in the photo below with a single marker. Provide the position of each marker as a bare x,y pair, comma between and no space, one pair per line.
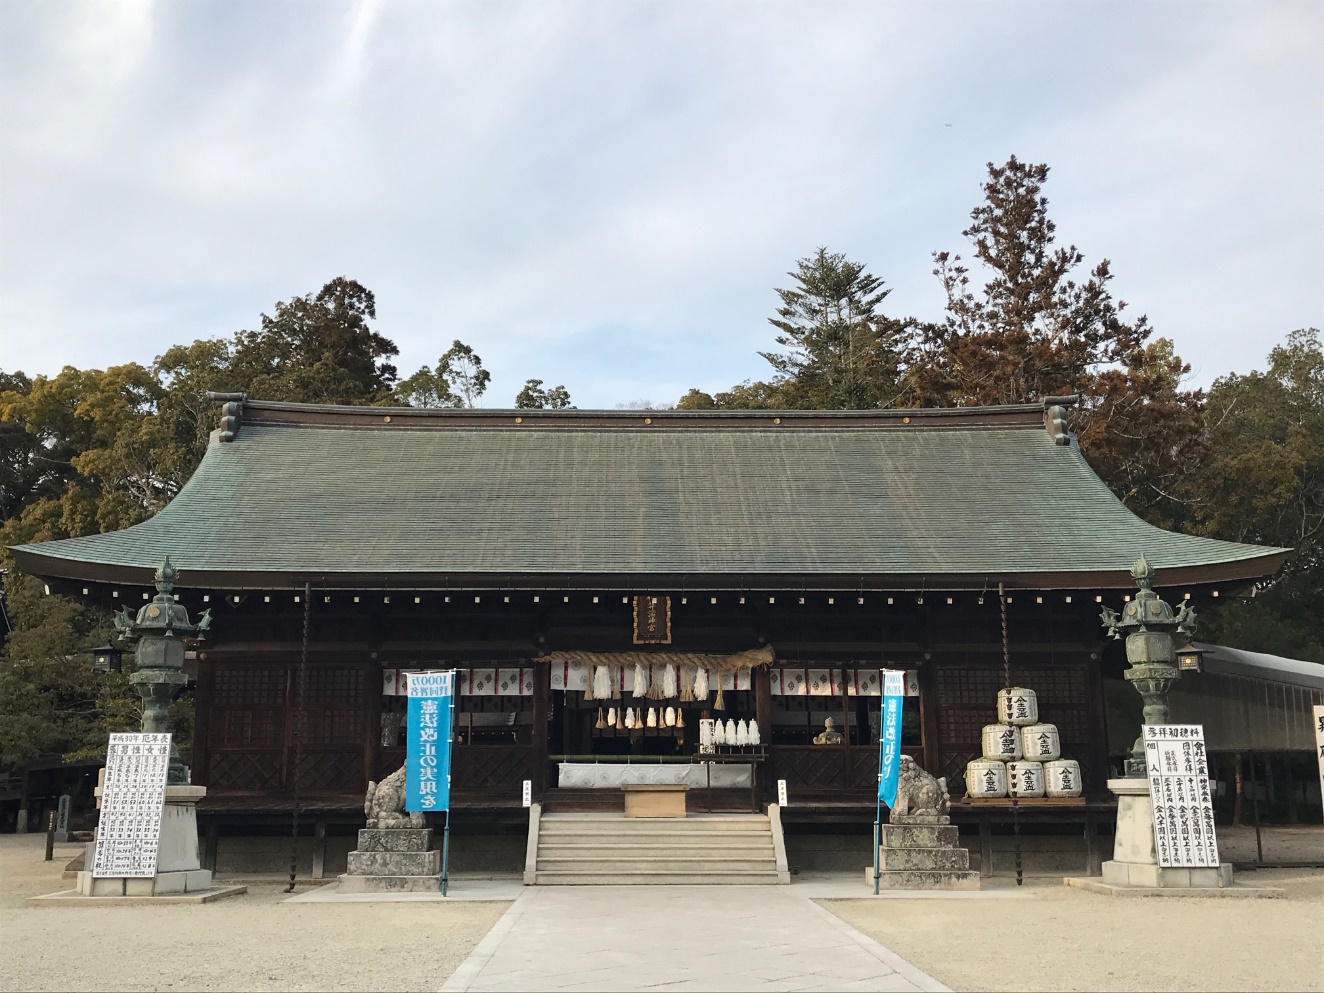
918,793
385,804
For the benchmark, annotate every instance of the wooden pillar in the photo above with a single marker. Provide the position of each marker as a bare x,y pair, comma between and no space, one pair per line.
762,677
542,695
928,720
1097,755
200,760
848,771
372,722
319,849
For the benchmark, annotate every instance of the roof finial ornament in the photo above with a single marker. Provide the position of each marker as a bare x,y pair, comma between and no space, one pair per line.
1143,574
166,575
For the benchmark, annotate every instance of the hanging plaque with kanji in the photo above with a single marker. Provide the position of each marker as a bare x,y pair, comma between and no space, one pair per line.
132,803
652,620
1178,771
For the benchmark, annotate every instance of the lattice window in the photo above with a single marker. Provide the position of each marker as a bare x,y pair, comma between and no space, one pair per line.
335,684
249,728
244,771
331,771
333,726
248,686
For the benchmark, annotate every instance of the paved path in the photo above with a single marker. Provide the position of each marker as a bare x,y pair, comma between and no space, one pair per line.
678,938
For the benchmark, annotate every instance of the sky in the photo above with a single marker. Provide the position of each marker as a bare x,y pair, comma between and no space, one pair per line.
605,194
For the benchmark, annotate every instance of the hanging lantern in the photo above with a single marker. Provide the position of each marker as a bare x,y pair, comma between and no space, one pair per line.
1189,657
107,658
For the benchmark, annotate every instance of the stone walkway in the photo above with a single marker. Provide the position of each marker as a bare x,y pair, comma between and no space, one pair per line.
678,938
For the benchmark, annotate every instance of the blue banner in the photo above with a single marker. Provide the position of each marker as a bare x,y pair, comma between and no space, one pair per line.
889,740
428,747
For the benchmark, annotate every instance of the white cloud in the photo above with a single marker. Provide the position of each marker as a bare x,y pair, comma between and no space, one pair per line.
605,194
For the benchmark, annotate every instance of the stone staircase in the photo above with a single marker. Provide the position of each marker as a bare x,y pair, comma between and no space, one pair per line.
611,849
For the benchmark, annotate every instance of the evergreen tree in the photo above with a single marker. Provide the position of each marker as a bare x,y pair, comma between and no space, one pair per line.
534,397
842,353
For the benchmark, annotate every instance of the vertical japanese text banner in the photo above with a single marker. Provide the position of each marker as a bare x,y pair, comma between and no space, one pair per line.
428,751
1319,743
889,741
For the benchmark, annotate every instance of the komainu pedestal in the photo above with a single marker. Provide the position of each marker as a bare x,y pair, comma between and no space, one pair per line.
921,852
919,849
393,860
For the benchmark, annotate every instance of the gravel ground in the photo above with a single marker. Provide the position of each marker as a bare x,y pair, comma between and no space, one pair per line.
248,942
1082,941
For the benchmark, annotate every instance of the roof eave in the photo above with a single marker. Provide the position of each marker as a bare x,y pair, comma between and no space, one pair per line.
49,567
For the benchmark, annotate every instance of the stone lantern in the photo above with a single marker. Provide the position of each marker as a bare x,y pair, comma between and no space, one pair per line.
159,630
1148,623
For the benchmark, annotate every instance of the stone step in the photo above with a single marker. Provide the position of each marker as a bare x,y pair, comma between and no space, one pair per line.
649,828
390,884
908,879
947,859
393,863
644,878
617,865
764,850
716,822
647,837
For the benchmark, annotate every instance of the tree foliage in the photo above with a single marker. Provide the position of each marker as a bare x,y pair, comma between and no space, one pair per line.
534,397
90,450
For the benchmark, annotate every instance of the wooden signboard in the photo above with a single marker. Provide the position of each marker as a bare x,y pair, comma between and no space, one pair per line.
652,620
1178,772
1319,744
132,802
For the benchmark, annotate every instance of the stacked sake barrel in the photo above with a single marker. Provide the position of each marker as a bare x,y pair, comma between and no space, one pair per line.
1022,757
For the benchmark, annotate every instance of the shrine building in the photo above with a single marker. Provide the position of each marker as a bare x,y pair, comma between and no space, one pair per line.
785,556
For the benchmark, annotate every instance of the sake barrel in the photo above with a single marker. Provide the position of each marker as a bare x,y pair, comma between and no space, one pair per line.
1025,779
985,778
1001,742
1040,742
1018,705
1062,778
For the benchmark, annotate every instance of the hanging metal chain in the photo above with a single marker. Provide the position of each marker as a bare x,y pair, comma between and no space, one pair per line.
300,724
1006,685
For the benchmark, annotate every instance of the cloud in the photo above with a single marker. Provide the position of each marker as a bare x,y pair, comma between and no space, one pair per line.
605,194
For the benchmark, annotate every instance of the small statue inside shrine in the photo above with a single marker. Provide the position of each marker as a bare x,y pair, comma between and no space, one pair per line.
830,735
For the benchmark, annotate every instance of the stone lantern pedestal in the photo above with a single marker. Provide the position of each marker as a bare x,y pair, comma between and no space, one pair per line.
1135,858
178,868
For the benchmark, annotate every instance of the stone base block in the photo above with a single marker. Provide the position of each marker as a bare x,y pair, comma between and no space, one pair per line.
1144,874
162,884
395,839
394,863
919,818
390,884
918,879
1095,885
919,836
925,859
